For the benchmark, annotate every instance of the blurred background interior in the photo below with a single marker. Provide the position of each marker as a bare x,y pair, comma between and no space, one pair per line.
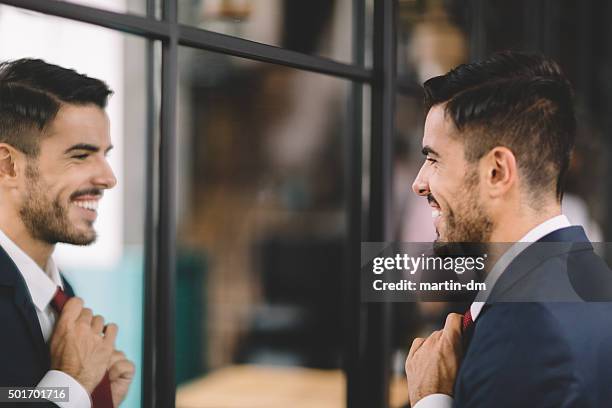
261,191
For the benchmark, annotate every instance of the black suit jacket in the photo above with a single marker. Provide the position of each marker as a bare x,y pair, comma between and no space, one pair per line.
24,355
543,353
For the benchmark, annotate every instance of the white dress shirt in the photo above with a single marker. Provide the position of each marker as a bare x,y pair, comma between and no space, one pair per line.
42,286
545,228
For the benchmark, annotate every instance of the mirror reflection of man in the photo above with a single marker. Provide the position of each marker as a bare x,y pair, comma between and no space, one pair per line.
497,139
54,141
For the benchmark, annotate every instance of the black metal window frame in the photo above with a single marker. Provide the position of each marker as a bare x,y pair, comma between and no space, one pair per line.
367,325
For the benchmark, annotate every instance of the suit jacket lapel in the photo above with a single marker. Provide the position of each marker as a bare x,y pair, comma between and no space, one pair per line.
11,277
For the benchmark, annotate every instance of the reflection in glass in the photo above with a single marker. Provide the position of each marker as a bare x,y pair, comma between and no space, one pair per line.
261,233
317,27
108,275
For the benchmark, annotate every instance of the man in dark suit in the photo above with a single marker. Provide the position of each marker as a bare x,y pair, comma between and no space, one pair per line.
498,138
54,137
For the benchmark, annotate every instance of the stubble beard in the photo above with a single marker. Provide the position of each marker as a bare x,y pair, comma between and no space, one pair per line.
47,219
468,228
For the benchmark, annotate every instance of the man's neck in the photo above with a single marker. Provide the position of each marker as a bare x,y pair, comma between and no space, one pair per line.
512,229
36,249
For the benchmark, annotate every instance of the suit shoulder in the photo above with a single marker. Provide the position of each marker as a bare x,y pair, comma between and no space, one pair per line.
569,277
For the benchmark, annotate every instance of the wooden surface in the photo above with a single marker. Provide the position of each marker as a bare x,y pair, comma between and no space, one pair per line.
247,386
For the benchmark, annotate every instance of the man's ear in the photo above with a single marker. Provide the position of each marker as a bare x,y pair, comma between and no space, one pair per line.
500,171
8,165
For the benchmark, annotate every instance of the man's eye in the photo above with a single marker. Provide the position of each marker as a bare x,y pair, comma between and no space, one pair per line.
80,156
429,159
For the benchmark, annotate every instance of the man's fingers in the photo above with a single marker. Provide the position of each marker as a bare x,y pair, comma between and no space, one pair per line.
86,316
122,369
419,342
97,324
453,325
453,333
433,337
110,334
71,311
116,356
416,343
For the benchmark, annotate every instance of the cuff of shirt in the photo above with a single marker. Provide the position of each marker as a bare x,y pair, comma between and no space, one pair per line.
435,401
77,396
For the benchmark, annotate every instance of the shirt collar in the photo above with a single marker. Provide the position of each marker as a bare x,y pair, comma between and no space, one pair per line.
41,284
545,228
541,230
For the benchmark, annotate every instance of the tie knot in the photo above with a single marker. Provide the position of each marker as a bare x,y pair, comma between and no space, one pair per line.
59,300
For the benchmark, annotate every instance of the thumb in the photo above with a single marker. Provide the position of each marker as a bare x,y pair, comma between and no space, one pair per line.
452,327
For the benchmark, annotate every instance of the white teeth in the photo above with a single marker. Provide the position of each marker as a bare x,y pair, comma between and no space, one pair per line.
88,205
435,213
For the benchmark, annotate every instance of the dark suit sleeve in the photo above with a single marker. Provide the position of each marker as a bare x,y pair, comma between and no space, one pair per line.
517,358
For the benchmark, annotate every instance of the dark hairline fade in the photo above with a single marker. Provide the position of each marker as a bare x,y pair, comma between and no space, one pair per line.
520,101
33,91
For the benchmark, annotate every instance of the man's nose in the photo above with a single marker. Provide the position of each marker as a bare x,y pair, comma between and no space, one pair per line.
106,177
420,185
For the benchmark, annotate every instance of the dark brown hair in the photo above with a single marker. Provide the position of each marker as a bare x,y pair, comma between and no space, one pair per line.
32,92
516,100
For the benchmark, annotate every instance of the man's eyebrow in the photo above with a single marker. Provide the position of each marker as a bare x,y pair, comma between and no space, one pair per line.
87,147
427,150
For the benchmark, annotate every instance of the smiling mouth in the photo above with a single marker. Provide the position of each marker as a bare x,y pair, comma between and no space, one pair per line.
91,205
435,207
87,199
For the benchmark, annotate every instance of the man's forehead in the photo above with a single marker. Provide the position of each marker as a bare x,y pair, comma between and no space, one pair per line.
80,124
438,130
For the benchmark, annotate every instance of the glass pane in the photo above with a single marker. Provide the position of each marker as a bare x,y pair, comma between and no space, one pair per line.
321,27
261,234
432,39
118,6
108,274
434,36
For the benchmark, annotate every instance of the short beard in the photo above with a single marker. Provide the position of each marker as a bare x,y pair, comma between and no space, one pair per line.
469,228
46,219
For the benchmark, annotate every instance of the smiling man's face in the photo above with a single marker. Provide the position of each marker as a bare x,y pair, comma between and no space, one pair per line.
451,184
64,184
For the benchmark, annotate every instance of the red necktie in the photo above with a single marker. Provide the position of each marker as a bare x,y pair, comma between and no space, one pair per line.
468,329
467,320
101,395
